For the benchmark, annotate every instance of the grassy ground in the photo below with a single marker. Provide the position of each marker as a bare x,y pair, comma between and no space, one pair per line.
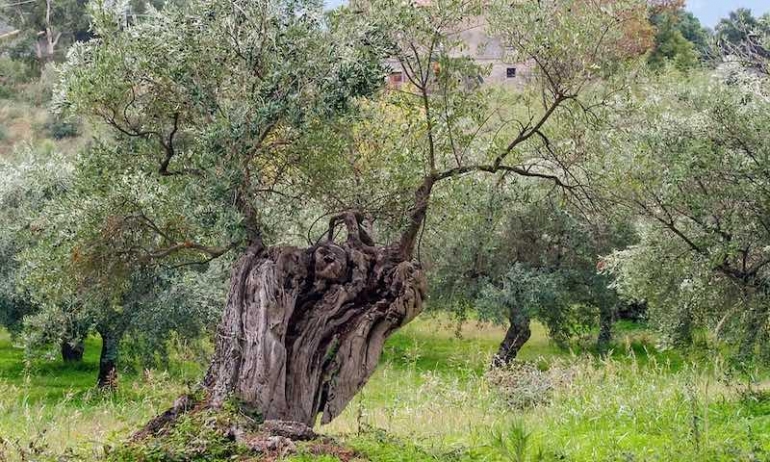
25,118
432,399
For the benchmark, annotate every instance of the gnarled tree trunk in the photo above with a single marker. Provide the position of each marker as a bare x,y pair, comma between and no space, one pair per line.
303,329
517,335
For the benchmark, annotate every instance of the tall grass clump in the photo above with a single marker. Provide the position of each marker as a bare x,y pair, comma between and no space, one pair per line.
621,410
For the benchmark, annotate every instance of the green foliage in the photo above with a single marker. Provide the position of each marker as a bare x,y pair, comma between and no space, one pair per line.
200,436
28,182
680,39
690,157
741,27
742,37
204,162
12,74
512,441
58,128
535,258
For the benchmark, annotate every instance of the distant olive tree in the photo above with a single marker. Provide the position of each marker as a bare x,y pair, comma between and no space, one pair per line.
690,156
536,260
743,37
151,304
29,180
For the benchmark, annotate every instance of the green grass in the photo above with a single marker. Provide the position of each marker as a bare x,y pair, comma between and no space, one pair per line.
433,399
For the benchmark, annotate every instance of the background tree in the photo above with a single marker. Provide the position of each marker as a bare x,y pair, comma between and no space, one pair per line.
692,161
30,180
745,38
47,27
116,297
679,37
536,261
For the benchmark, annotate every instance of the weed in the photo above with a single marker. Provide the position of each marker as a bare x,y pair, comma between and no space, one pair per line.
511,441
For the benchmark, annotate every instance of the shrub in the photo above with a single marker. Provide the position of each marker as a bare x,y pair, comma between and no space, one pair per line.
526,385
198,436
59,128
13,73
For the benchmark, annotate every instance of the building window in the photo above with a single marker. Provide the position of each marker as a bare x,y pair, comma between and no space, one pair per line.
510,72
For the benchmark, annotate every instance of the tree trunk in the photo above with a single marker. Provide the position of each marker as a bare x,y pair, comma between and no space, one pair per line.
72,352
108,360
517,335
753,331
683,328
606,321
303,329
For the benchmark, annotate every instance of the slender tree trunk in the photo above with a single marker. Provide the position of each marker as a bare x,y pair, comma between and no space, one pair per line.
72,352
683,329
606,322
303,329
754,329
517,335
51,38
108,359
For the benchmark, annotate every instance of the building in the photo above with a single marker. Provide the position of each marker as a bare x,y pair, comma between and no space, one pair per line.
486,51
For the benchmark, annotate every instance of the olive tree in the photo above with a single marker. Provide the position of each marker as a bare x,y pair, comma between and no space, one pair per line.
690,157
534,257
234,122
29,180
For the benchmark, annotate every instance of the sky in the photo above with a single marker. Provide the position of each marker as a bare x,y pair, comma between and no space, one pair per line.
708,11
711,11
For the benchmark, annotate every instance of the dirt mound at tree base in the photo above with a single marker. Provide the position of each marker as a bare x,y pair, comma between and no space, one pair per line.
194,432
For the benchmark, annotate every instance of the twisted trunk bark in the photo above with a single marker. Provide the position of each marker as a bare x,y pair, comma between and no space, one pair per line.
303,329
517,335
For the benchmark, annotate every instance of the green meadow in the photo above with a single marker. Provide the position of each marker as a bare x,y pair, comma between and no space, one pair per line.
433,399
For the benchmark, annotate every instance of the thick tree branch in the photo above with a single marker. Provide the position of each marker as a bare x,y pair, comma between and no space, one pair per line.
522,171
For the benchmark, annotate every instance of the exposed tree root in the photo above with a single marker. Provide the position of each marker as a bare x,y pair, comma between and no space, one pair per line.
154,427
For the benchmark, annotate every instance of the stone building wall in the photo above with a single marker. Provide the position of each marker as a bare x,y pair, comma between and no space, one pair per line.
487,51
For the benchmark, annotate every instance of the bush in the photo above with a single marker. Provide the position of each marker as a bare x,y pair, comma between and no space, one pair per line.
12,74
201,436
526,385
59,129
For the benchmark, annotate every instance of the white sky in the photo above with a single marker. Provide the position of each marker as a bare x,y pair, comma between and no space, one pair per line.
708,11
